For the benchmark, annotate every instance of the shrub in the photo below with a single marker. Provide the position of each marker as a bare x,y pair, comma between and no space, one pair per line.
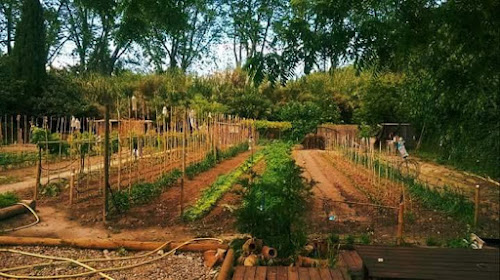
40,135
121,201
8,199
142,193
274,204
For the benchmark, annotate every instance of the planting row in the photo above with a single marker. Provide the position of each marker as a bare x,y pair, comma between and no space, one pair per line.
443,199
144,192
274,204
214,193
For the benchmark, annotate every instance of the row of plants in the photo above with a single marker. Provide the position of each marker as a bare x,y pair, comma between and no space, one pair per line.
274,204
222,184
142,193
443,199
16,160
7,199
212,159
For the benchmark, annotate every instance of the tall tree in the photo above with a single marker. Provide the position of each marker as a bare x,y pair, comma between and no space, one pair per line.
9,16
30,53
179,32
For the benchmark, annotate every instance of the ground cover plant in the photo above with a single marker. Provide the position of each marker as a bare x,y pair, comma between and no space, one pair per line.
8,199
222,184
9,160
274,204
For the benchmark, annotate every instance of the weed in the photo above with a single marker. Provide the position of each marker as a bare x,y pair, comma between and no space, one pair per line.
8,199
121,201
122,252
52,189
431,241
349,241
365,239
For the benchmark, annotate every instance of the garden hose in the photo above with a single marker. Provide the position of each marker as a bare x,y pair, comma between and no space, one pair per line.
93,271
25,226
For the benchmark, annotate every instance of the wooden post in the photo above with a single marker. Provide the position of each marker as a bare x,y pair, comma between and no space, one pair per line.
400,222
71,185
184,131
476,206
105,185
38,173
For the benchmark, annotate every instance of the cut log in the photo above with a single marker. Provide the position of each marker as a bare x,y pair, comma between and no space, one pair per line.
227,266
11,211
110,244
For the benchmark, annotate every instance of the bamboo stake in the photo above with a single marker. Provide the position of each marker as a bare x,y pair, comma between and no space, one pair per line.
183,179
71,185
476,205
400,223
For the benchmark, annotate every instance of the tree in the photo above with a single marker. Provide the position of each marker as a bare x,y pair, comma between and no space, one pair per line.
30,53
177,33
9,16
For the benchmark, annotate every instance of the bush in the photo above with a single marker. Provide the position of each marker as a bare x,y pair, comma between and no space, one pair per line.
40,135
121,201
274,205
7,199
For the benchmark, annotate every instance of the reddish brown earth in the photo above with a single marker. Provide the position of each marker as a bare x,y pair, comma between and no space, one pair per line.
159,220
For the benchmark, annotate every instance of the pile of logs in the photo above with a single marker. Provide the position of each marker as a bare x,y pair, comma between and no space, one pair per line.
255,252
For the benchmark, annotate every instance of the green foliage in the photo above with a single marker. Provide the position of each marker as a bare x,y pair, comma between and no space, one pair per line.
444,199
53,189
14,160
196,168
40,135
231,152
365,239
458,243
30,50
142,193
349,241
273,206
121,200
222,184
431,241
8,199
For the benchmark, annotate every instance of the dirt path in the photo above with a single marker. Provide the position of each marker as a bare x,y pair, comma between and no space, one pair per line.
330,188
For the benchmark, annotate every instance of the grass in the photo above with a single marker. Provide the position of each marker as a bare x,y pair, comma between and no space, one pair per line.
8,180
8,199
222,184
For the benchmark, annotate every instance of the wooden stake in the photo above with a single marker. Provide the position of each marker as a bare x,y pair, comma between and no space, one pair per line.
71,185
184,126
38,173
476,206
400,223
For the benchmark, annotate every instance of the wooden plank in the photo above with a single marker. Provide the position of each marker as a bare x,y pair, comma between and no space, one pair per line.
314,273
303,273
336,274
293,273
239,273
250,272
325,274
283,273
260,274
272,273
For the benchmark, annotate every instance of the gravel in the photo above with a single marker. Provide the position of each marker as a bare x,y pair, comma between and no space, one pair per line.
180,266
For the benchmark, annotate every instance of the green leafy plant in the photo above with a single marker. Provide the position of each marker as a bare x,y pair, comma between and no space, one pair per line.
40,136
274,204
121,201
222,184
52,189
431,241
8,199
365,239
